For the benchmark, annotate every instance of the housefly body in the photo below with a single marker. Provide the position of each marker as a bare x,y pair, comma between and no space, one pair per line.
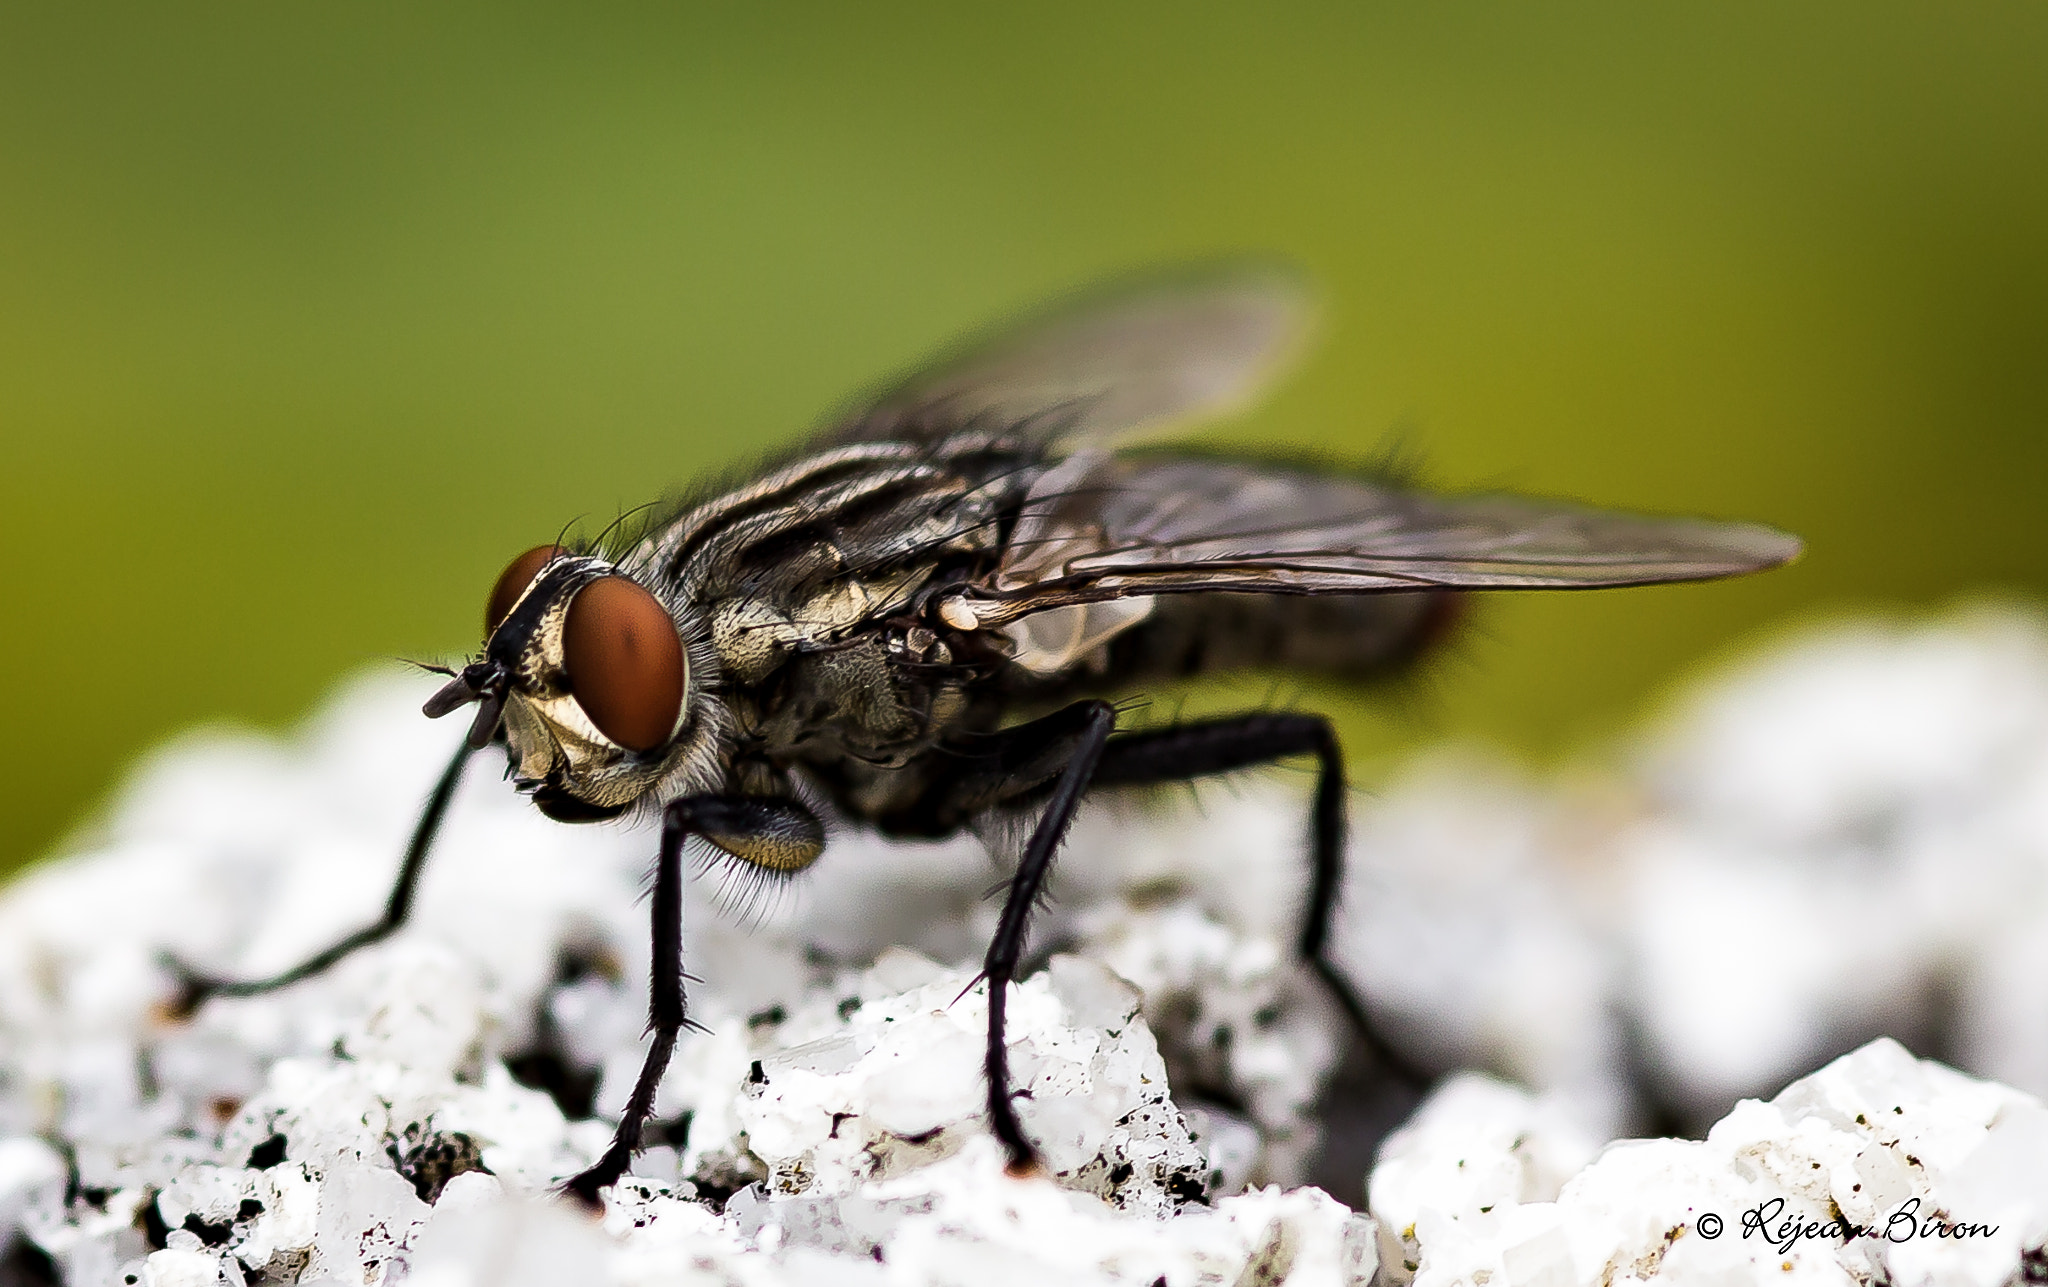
920,618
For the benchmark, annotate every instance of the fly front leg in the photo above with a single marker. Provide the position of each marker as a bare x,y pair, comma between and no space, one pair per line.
194,988
1218,746
779,834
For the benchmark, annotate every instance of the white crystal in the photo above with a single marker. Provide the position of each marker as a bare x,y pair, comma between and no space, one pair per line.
1877,1140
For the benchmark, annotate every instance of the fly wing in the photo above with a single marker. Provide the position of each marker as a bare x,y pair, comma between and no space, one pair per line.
1099,528
1143,355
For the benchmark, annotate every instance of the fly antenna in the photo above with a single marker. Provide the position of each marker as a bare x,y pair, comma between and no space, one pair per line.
432,668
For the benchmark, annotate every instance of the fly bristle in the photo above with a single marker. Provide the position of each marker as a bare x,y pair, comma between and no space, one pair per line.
747,894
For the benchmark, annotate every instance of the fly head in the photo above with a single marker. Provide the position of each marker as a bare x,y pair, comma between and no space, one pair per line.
585,672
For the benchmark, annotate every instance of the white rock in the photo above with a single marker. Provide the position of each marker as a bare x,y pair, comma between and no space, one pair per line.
181,1267
1750,964
1848,837
1852,730
31,1178
496,1240
1465,927
1879,1166
1477,1146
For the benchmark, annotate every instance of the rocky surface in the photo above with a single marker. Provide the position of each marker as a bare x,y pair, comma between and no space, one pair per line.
1845,836
1879,1168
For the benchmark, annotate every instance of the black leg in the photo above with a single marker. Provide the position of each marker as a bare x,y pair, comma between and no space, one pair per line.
195,988
1218,746
766,831
1085,728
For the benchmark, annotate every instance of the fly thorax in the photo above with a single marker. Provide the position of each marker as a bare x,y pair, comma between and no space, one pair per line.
755,634
752,636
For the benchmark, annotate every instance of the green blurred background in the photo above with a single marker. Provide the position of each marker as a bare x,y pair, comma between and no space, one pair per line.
312,316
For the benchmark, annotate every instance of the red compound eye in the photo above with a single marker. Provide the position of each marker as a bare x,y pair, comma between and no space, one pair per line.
625,662
512,583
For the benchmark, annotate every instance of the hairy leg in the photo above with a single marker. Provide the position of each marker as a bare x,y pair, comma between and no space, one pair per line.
741,825
1198,749
1078,733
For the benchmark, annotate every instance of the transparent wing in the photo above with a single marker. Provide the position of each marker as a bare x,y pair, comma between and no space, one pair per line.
1140,355
1100,528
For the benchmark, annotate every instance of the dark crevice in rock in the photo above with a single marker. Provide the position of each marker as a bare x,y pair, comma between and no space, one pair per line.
27,1265
547,1064
150,1219
214,1233
268,1154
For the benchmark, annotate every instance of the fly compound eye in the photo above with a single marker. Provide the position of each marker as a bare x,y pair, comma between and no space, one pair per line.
625,662
512,583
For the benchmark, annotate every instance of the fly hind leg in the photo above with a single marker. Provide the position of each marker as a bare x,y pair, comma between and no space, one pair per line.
1199,749
194,988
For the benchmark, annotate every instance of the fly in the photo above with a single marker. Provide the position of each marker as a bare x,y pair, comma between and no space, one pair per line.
921,617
